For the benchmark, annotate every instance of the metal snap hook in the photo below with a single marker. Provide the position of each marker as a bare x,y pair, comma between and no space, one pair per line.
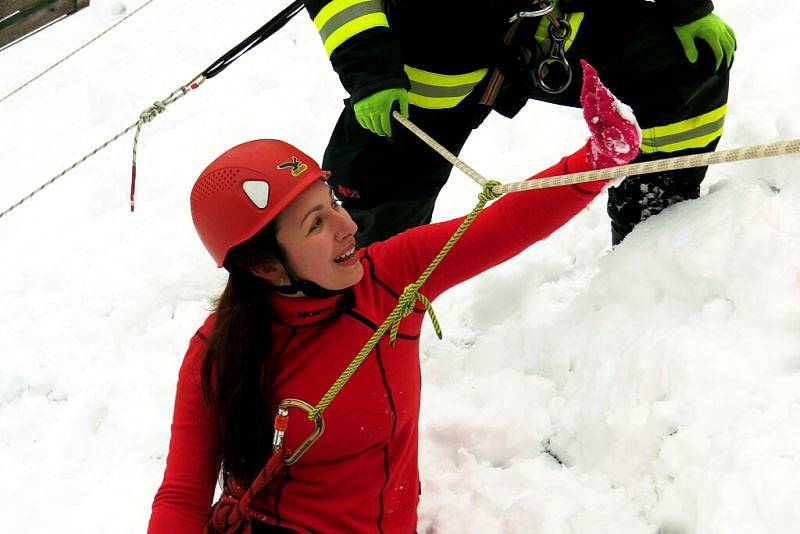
282,422
556,66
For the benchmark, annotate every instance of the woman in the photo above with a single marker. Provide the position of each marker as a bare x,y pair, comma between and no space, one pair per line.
300,302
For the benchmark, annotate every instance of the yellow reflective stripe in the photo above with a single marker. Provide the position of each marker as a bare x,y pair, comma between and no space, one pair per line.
431,90
543,35
429,102
346,31
332,9
574,20
696,142
342,19
695,132
444,80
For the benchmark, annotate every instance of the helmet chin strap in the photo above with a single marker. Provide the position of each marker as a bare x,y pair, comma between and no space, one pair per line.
308,288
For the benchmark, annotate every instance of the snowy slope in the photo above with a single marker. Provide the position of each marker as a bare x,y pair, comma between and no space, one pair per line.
664,376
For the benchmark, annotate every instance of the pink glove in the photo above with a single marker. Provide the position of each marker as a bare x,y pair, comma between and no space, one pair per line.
615,133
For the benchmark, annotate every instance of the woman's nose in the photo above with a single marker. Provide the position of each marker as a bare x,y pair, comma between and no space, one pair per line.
347,226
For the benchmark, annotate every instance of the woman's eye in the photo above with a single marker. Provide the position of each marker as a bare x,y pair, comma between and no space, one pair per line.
316,223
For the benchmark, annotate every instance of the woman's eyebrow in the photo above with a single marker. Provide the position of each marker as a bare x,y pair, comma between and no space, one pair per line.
312,210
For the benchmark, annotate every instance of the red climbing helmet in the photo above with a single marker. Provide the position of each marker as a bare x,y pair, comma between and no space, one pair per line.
245,188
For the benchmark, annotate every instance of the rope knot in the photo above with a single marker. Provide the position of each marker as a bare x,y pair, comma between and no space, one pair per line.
488,193
150,113
405,306
227,517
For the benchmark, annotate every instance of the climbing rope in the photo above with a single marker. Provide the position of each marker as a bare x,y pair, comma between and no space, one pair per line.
145,117
273,25
406,304
62,60
780,148
493,190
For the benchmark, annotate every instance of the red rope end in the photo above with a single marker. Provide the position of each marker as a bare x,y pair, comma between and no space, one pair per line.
133,184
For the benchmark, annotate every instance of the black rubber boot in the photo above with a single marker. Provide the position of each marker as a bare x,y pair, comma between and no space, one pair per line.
642,196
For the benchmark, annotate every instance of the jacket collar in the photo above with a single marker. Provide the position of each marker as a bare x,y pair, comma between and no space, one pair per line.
304,311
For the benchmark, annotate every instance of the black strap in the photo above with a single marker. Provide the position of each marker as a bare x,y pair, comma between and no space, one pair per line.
276,23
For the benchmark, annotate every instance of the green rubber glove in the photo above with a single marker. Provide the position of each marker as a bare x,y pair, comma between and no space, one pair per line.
714,31
374,113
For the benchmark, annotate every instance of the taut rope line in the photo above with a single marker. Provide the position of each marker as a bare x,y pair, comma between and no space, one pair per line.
780,148
62,60
268,29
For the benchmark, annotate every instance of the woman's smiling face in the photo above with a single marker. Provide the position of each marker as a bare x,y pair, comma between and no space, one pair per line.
317,236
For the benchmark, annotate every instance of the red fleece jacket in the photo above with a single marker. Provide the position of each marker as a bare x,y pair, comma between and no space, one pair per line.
362,475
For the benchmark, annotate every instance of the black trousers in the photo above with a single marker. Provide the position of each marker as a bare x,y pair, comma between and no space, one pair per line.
391,185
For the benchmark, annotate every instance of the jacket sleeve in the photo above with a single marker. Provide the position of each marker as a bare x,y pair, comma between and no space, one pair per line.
360,45
680,12
677,12
182,504
500,232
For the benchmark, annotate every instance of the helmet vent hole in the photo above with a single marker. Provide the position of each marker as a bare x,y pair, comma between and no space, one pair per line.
214,183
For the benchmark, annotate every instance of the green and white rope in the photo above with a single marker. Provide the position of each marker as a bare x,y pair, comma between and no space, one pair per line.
62,60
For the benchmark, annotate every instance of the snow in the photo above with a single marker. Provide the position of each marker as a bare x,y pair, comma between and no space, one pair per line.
652,388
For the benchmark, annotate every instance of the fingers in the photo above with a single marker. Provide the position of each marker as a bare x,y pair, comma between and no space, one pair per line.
689,49
730,38
404,106
385,121
716,47
375,124
374,113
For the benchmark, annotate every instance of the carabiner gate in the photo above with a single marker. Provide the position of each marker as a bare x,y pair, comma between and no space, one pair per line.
282,422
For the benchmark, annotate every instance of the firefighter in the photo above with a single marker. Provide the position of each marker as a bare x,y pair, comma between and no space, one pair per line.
446,64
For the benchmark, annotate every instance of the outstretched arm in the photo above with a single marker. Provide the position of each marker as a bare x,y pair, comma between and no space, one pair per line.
518,220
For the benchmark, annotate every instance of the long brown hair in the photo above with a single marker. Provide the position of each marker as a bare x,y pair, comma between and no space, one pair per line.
237,367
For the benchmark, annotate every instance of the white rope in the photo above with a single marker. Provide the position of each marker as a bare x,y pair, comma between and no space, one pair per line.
668,164
75,51
145,117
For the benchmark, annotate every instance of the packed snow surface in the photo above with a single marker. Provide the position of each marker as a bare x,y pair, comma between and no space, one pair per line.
650,389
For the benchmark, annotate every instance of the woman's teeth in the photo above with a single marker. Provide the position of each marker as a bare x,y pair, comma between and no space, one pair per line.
345,256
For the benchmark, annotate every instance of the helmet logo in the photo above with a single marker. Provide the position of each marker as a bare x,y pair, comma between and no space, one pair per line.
257,191
297,167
